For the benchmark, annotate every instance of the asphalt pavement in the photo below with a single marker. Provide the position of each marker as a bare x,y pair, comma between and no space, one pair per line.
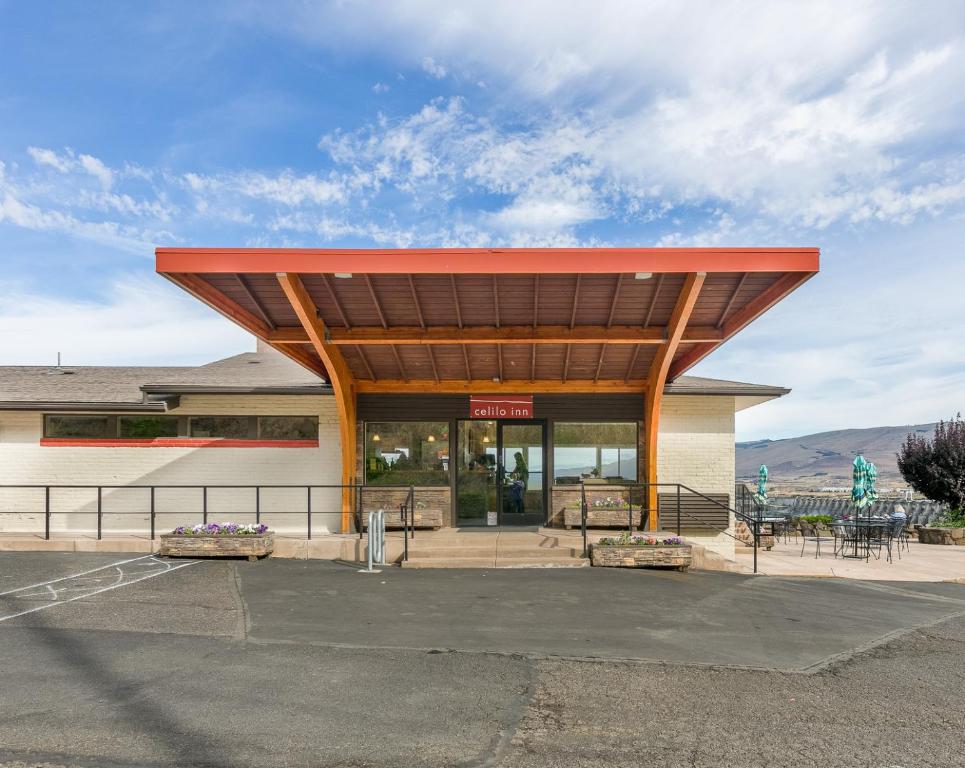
311,663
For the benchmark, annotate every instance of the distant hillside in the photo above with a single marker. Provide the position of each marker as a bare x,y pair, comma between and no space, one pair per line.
824,459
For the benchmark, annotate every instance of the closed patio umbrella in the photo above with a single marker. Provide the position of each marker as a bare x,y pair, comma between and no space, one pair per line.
761,495
859,479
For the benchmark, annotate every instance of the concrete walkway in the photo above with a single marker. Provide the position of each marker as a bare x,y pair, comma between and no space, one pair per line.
921,562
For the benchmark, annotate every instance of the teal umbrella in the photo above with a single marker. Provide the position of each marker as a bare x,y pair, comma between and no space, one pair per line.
871,477
859,479
761,496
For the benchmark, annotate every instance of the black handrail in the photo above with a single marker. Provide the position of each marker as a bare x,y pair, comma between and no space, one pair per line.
752,522
154,489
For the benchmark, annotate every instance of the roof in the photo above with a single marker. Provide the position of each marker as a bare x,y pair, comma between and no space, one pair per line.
141,387
113,388
400,320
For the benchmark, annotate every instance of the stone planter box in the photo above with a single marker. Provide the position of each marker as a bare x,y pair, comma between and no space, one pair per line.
941,535
252,547
600,518
642,557
421,518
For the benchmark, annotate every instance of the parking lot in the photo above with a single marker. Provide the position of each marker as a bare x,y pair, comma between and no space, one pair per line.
132,660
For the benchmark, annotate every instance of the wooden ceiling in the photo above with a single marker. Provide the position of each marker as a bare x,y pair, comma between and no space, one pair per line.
577,319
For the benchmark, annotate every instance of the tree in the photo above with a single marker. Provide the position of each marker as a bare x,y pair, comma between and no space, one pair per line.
936,468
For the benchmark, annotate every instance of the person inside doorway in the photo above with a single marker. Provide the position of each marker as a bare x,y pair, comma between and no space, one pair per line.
520,479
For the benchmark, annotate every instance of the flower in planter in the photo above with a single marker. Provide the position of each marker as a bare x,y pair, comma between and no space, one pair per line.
221,529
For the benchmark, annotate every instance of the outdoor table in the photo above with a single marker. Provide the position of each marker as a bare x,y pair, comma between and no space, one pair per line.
860,536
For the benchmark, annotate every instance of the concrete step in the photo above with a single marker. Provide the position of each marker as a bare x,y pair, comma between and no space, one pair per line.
487,562
533,553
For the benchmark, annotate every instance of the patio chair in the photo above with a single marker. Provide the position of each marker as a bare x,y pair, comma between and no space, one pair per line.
842,537
809,532
879,536
900,534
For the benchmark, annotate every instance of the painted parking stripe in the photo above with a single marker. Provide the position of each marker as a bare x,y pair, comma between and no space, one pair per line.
74,576
121,582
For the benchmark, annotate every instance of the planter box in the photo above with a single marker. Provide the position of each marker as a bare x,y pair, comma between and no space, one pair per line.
642,557
252,547
601,518
941,535
421,518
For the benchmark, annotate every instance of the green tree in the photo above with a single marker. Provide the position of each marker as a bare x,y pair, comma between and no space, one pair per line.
936,467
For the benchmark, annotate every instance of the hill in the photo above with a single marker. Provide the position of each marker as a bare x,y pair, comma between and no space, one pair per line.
824,459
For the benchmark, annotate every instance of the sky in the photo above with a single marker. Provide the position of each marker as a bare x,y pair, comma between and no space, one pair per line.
125,126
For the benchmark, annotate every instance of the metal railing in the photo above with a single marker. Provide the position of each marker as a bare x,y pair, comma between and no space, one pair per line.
753,522
152,499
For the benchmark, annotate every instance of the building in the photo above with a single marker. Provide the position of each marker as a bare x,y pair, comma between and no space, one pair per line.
495,383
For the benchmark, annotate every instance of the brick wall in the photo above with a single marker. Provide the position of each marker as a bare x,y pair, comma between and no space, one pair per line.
695,443
24,460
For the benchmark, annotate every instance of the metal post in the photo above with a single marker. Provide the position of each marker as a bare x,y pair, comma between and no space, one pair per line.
99,513
257,505
678,509
309,489
369,547
204,504
46,511
757,535
152,513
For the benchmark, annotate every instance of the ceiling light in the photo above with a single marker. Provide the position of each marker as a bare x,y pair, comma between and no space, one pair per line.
376,438
485,438
343,275
643,275
495,379
431,438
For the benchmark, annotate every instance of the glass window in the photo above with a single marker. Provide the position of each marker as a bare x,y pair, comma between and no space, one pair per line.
79,426
407,453
288,427
583,451
148,426
232,427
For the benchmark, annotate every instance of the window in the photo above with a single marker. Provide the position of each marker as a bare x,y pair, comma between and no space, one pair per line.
231,427
147,426
288,427
407,453
584,451
85,427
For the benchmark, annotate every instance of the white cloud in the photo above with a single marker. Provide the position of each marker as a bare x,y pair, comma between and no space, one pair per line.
381,88
135,322
431,67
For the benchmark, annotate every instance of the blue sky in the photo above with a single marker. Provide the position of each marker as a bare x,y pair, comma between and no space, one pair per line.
127,126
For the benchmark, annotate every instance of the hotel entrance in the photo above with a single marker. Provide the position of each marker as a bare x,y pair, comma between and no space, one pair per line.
500,473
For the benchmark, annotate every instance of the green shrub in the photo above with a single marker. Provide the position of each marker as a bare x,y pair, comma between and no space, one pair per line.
824,520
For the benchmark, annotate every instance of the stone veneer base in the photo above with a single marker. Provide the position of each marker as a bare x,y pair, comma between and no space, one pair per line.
252,547
641,557
941,535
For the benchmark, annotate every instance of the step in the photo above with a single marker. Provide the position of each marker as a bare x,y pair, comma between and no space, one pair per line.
487,562
533,553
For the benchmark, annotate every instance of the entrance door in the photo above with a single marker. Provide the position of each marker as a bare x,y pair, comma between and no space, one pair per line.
521,461
500,473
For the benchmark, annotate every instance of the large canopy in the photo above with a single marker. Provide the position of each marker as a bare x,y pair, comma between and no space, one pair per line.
580,319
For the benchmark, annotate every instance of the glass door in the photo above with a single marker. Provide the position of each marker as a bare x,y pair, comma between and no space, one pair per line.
476,471
522,499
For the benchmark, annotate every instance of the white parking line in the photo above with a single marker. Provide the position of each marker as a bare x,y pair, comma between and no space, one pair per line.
159,568
74,576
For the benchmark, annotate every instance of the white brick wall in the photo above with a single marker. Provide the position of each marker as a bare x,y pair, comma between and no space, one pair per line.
695,443
24,461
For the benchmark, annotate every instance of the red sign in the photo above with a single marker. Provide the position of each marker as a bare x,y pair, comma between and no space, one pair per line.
507,407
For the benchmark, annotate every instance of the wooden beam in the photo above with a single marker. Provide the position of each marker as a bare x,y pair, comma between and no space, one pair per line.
576,301
432,362
535,300
532,364
340,377
613,303
455,300
207,293
739,320
365,362
633,361
657,380
415,300
335,300
731,300
465,356
398,362
496,301
499,358
599,363
507,334
653,300
253,298
487,386
375,301
566,363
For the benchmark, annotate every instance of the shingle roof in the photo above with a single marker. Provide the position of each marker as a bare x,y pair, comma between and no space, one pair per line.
265,371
